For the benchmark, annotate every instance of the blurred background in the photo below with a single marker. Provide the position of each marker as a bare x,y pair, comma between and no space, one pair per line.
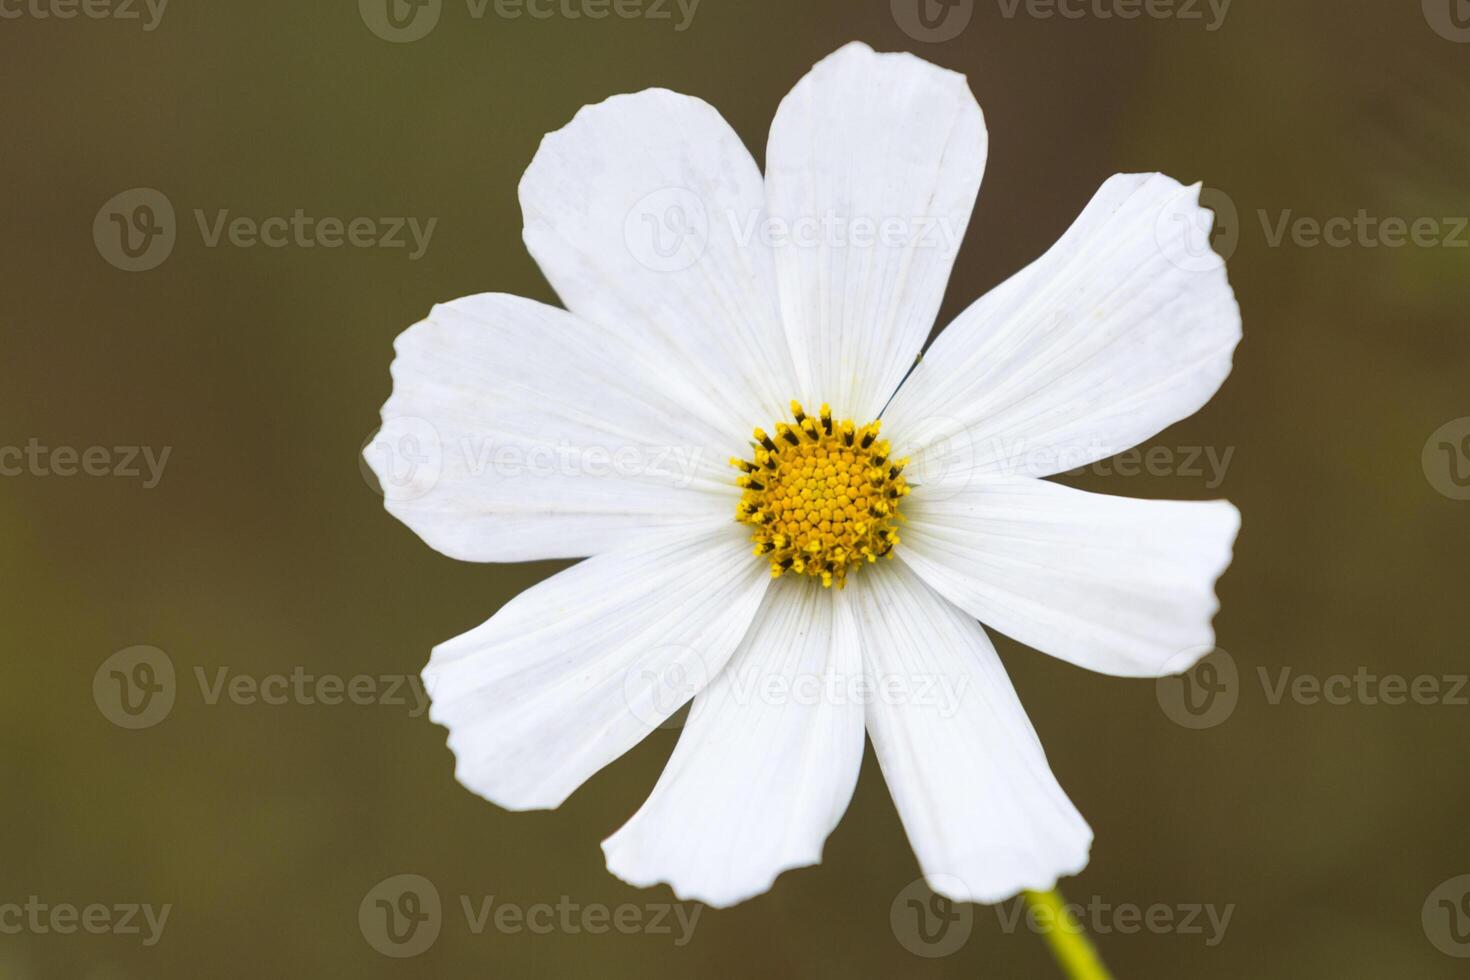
1331,830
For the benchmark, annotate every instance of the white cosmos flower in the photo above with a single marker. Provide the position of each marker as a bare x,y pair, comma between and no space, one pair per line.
605,430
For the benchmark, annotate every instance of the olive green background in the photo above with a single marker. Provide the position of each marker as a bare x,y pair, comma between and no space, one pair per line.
264,549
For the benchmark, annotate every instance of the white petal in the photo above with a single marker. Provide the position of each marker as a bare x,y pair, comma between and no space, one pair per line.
644,213
572,673
872,171
1116,585
517,432
979,802
1124,327
766,764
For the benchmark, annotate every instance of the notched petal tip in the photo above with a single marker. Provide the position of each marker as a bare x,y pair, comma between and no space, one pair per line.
622,864
994,890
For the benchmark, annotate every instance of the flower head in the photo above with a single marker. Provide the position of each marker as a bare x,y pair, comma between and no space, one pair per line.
732,344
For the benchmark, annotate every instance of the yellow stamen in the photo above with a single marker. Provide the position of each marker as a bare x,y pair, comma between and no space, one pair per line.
821,496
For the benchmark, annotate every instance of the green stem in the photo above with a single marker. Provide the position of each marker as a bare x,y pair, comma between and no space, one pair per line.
1063,933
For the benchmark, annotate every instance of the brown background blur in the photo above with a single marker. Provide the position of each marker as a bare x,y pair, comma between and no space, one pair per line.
264,550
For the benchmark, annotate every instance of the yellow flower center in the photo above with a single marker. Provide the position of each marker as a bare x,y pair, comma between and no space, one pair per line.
822,496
